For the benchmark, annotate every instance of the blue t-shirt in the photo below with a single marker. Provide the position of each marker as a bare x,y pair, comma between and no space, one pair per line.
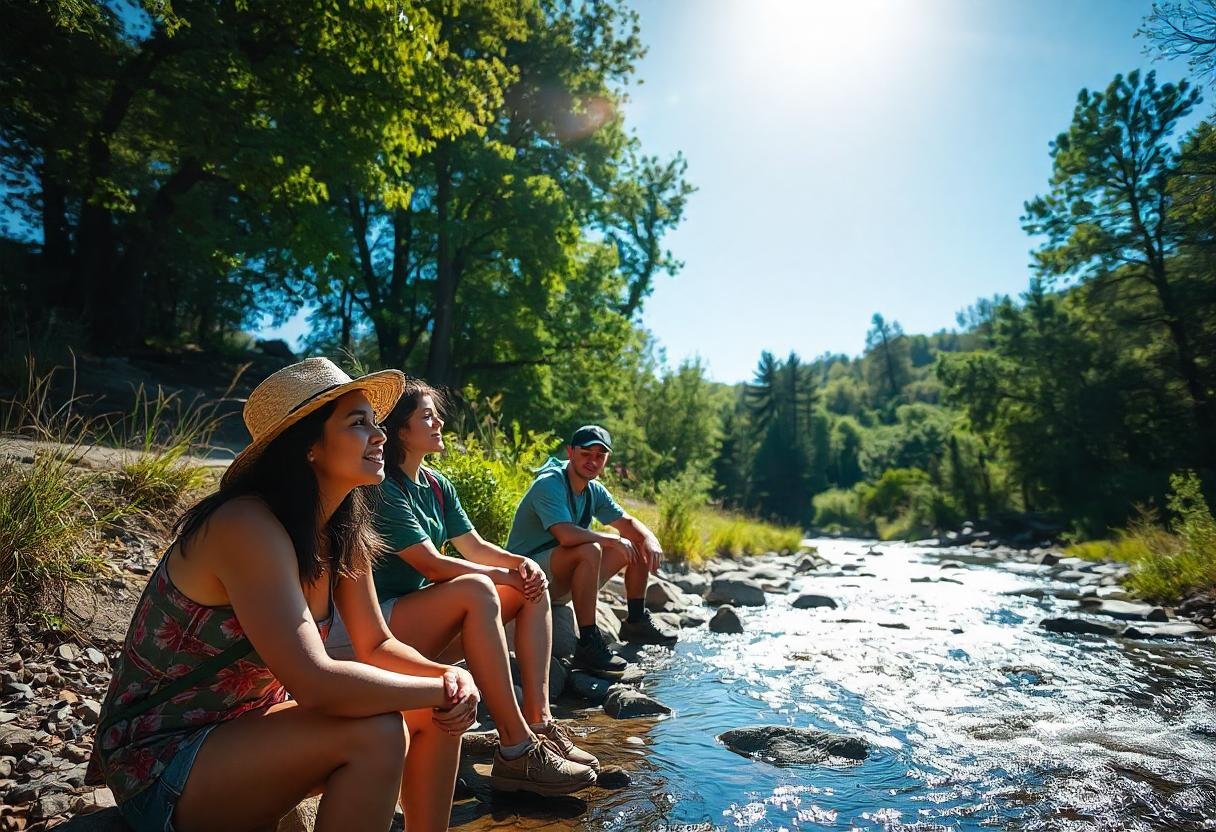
550,500
407,513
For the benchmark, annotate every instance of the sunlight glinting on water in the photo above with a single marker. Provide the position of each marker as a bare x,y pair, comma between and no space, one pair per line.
977,718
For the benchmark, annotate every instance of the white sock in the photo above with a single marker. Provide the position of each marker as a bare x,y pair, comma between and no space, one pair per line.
514,752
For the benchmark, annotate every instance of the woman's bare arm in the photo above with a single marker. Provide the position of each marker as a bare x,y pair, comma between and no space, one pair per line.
253,558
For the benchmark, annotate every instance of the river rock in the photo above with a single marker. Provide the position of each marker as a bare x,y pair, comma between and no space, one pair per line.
565,632
663,596
726,620
625,702
1128,611
1079,626
585,686
1177,629
694,583
739,591
808,601
784,745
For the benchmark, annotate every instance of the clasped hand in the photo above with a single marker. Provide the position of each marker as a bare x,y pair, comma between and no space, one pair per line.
461,696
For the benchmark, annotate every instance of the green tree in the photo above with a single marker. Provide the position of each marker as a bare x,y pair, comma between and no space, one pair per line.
1108,215
887,361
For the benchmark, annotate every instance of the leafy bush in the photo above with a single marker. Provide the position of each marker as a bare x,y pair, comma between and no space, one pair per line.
491,478
679,498
840,510
1167,565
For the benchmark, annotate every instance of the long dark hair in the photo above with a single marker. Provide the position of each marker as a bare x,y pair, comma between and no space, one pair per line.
282,477
394,448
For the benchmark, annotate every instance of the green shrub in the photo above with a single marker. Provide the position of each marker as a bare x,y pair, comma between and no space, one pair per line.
1167,565
840,508
491,478
679,499
1184,562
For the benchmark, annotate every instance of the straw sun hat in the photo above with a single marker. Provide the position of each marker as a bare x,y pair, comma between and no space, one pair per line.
290,394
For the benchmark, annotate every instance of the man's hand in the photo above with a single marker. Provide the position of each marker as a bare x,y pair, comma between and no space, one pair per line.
653,553
461,696
535,582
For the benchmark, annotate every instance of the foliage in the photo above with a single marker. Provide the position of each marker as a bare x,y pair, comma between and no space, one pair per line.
50,511
1167,565
678,499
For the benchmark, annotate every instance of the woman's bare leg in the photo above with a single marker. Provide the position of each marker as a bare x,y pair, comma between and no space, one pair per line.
466,607
533,648
430,774
254,769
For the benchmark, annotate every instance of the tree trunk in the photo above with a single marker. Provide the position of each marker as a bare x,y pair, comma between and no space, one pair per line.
439,360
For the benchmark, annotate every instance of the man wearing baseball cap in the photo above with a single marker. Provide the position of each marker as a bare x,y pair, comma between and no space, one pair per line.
553,527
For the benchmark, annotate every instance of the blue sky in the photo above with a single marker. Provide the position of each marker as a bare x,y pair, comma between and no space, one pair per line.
856,156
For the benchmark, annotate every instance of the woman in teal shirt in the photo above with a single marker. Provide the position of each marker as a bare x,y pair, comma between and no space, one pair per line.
430,598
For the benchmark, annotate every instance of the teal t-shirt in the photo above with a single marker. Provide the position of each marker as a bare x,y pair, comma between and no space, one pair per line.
549,501
407,513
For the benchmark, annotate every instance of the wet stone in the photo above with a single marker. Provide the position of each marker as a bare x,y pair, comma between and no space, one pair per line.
588,687
624,702
1079,626
809,601
613,777
784,745
726,620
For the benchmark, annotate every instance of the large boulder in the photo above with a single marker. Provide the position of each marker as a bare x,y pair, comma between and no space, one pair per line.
784,745
739,591
625,702
663,596
588,687
726,620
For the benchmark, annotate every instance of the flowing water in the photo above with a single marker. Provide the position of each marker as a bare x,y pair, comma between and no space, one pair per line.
978,718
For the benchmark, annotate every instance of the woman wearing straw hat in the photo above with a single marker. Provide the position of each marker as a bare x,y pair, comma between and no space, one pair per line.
430,599
197,731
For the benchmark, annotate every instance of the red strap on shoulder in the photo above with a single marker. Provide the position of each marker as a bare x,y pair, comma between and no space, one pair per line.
434,481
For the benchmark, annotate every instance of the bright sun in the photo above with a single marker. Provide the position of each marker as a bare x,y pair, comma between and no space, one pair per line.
798,43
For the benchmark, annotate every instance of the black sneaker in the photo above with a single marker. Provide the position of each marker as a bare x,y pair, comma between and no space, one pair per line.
593,656
648,631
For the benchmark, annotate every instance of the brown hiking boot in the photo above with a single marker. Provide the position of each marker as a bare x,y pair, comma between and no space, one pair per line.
559,738
541,770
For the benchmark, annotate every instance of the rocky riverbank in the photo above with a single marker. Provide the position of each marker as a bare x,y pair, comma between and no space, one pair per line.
52,681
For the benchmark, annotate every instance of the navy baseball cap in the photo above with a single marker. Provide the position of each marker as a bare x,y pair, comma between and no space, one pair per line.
589,435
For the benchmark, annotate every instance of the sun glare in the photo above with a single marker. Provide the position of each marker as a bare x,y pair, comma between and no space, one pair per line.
799,43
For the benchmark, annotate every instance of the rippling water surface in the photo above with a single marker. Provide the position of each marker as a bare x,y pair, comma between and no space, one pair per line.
979,719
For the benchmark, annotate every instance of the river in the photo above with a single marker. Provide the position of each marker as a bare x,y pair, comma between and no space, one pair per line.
978,718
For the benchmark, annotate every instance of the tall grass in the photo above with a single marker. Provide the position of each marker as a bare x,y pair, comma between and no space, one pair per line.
53,508
678,499
49,512
1167,564
162,432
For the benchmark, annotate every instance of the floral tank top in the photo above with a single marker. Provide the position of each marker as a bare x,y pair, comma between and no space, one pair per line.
170,634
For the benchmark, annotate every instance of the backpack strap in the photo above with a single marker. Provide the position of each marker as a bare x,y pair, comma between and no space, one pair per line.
434,481
210,667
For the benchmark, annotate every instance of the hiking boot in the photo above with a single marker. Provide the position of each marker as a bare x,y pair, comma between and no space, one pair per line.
561,742
594,657
541,770
648,631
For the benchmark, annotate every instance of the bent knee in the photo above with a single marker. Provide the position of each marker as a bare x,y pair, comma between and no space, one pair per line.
592,551
479,589
381,737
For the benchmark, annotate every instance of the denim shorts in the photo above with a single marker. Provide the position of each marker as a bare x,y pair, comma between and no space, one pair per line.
152,809
337,643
